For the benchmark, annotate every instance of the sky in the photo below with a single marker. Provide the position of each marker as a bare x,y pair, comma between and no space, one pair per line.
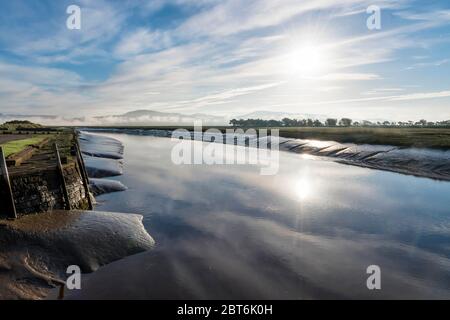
226,58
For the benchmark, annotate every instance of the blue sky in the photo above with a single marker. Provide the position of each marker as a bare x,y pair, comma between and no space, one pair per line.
227,58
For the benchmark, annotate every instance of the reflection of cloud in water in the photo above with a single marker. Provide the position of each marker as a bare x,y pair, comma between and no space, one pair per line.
227,232
321,260
238,256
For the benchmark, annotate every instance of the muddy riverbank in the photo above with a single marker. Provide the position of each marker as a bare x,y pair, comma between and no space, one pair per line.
37,249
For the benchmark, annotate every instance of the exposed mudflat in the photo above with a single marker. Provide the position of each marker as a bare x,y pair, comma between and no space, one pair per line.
100,146
102,186
102,157
97,167
419,162
36,250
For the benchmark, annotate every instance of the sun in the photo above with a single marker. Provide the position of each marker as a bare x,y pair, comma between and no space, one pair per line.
306,60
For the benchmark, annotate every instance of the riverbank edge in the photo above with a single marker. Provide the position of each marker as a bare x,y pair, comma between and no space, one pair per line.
301,146
27,253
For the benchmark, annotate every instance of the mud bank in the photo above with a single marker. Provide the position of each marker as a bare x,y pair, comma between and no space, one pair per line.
102,167
429,163
100,146
102,186
103,158
36,250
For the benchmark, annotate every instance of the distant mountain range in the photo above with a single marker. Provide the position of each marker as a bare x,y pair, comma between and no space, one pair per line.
133,118
156,118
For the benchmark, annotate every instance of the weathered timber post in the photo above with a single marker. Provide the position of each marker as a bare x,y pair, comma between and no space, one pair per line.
7,206
84,175
62,179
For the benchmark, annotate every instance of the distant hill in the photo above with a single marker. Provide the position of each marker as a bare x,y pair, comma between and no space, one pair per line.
155,118
17,124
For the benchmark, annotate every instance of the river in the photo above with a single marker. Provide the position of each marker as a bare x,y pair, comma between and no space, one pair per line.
309,232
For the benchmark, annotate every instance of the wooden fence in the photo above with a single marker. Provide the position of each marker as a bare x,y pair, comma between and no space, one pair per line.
7,206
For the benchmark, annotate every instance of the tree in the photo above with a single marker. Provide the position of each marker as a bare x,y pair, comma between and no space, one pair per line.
331,122
301,123
317,123
345,122
234,122
287,122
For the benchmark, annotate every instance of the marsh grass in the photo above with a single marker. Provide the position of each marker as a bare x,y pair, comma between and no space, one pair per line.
437,138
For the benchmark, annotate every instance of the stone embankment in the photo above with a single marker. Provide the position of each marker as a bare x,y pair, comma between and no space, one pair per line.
49,180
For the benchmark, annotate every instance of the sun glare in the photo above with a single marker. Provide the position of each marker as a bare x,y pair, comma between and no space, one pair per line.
303,188
306,60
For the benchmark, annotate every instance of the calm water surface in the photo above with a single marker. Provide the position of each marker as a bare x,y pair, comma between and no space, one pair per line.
309,232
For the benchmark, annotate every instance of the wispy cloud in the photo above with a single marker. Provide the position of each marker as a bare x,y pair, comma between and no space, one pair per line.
219,56
141,40
350,76
405,97
437,63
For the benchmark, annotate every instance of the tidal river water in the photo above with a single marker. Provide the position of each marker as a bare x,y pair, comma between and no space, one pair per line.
308,232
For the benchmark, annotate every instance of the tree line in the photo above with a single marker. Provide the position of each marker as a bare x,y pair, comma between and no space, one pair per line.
331,122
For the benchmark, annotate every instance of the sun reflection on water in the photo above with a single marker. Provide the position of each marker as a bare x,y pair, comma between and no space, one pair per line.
303,188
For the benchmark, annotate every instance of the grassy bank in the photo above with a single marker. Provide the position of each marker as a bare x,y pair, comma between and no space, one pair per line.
16,146
437,138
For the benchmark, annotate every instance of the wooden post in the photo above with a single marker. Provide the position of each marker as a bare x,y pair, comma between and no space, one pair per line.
7,206
83,173
63,180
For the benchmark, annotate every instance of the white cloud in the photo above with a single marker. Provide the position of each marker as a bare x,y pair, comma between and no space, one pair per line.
230,55
350,76
405,97
421,95
437,63
140,41
382,90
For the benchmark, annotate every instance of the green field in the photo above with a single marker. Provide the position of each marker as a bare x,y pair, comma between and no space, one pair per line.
16,146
